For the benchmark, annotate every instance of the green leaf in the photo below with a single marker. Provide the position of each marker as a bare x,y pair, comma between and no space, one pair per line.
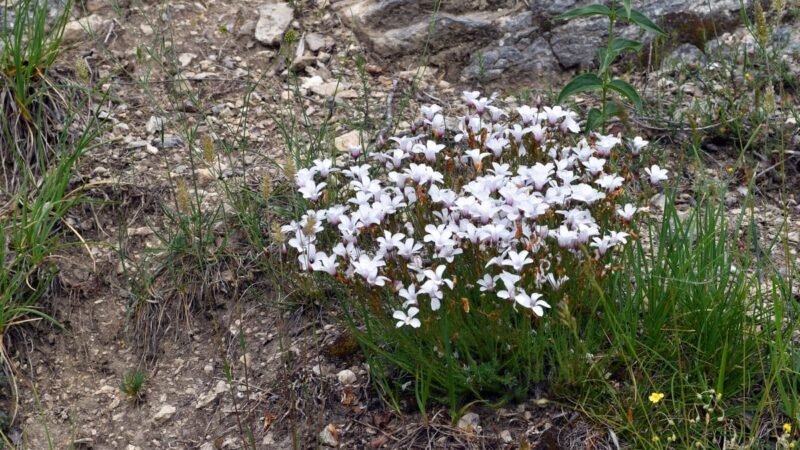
640,19
594,119
606,58
620,44
586,11
627,5
626,90
581,83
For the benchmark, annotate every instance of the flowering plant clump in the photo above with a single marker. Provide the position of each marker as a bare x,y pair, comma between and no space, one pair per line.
462,239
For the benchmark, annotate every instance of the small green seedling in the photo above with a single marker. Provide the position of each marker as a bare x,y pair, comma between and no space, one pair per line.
132,384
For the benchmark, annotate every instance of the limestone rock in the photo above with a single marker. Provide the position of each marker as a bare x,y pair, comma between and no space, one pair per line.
164,414
491,39
84,28
273,20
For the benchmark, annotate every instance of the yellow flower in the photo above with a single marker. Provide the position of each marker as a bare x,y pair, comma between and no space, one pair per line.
656,397
787,428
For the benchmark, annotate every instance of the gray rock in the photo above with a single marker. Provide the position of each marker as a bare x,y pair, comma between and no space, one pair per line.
317,42
169,141
469,422
552,7
329,436
575,44
532,59
85,28
347,376
164,414
509,41
686,55
154,124
273,20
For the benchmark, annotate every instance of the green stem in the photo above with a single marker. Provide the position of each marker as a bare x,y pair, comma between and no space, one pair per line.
605,75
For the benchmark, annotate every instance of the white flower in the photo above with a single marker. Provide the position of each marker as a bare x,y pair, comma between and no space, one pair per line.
300,240
594,165
410,294
324,167
407,318
448,253
494,233
394,158
609,182
430,150
368,268
527,114
604,144
475,124
390,240
567,176
355,151
540,174
307,256
566,238
488,283
408,248
587,230
538,132
406,142
325,263
430,111
553,114
554,282
496,113
587,194
475,156
437,125
583,152
637,144
334,214
569,123
433,291
304,176
626,213
435,276
500,170
312,191
441,236
619,237
517,260
657,174
532,302
481,104
422,174
576,216
470,97
496,145
399,179
518,133
357,172
510,283
602,244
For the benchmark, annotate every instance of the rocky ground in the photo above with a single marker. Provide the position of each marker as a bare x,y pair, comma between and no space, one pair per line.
178,71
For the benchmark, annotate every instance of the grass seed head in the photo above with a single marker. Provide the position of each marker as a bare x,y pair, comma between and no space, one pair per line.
209,149
266,187
762,30
182,197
